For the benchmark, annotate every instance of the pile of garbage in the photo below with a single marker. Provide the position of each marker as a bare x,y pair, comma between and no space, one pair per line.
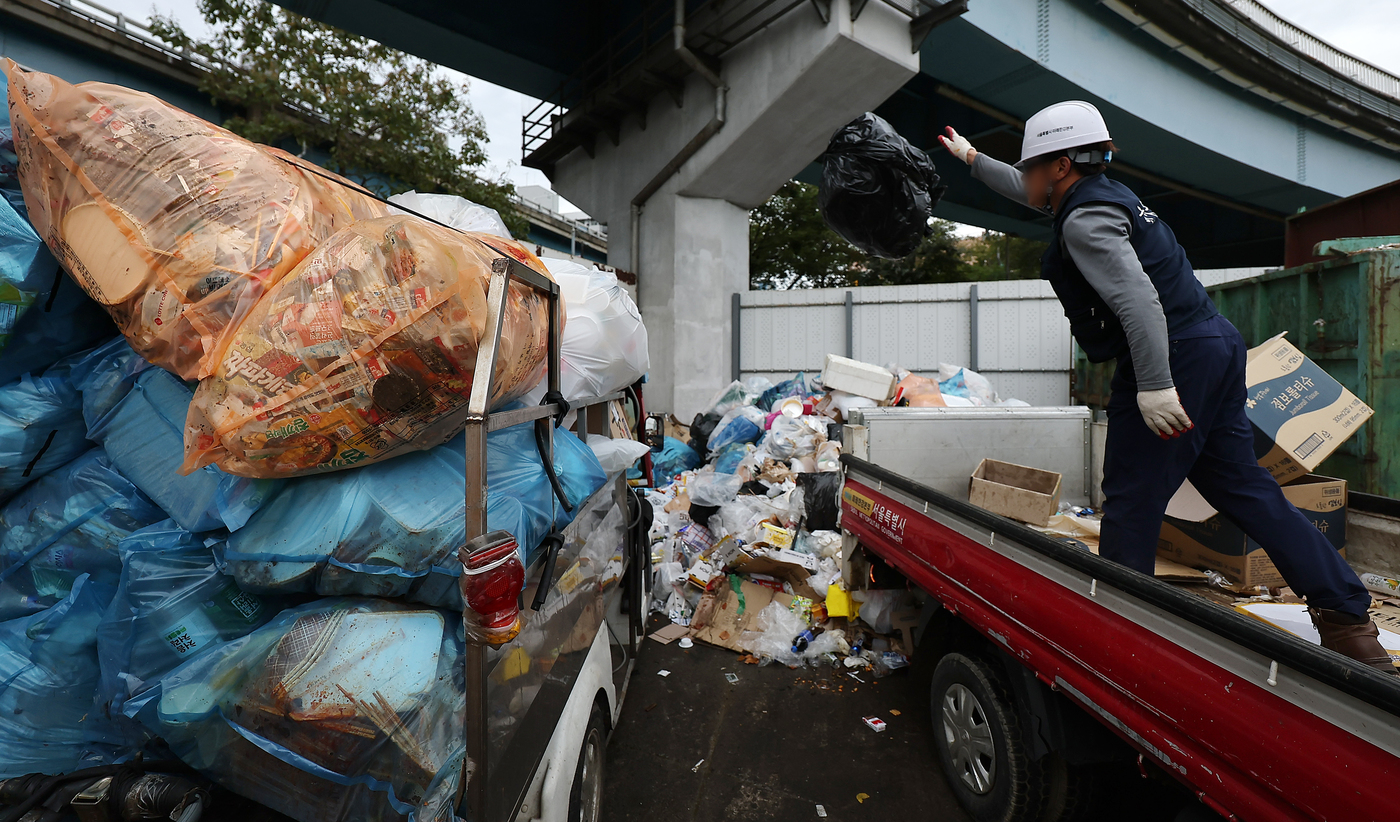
256,573
745,541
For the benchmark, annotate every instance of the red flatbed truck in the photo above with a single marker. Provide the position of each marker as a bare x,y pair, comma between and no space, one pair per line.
1038,646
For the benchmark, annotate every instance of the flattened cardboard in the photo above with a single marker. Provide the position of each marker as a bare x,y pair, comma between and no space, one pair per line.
1299,412
1020,492
1219,545
725,614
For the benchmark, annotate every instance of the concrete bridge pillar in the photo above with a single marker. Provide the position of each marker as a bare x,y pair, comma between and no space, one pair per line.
676,188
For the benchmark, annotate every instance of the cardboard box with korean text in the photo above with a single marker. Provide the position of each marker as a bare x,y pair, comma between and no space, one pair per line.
1300,413
1218,544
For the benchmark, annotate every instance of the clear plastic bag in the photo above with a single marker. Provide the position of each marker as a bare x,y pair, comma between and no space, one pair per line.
713,488
732,396
41,427
339,710
173,224
137,413
49,671
171,603
790,437
878,191
775,629
393,529
449,209
365,351
66,524
961,382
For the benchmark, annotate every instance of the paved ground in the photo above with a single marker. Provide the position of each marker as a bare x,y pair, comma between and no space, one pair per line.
770,747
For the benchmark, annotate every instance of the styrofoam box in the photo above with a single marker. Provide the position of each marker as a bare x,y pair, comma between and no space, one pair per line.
859,378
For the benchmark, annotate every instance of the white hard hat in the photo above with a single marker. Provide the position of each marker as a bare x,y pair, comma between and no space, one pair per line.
1062,126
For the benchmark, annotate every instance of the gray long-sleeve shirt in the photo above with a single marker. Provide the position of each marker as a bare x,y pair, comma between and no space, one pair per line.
1096,238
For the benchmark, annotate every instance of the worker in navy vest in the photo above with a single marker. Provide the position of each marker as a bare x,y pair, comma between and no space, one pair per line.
1177,409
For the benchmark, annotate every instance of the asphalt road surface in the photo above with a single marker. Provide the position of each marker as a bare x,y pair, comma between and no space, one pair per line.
772,746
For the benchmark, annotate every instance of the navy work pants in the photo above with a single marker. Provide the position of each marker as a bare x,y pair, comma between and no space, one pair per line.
1142,471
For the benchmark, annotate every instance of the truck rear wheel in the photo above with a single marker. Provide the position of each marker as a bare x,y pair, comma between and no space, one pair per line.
978,736
586,795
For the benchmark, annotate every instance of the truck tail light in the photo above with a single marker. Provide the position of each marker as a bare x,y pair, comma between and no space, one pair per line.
492,579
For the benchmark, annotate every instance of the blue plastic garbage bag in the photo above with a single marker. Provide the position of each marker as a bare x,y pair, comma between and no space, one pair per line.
62,322
795,387
674,458
392,529
48,678
740,431
26,269
41,427
63,525
137,412
342,709
171,603
726,460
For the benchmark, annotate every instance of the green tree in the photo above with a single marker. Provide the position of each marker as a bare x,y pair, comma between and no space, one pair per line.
938,259
996,256
790,245
385,118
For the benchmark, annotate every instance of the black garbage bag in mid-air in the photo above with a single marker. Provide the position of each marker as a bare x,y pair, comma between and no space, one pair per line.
878,191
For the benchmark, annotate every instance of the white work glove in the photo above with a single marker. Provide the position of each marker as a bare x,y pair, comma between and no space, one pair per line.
1163,413
958,146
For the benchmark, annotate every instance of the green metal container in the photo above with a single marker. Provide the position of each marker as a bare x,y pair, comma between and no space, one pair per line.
1345,315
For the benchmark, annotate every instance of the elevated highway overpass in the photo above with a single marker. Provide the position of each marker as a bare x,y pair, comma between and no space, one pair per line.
1228,119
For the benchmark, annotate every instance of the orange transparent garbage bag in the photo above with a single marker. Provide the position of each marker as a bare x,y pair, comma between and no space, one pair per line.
366,350
173,224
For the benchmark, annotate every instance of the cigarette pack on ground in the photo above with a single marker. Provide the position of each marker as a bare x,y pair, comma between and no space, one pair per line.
174,225
366,350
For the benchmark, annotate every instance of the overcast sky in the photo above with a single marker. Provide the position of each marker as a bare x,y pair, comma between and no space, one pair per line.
1369,29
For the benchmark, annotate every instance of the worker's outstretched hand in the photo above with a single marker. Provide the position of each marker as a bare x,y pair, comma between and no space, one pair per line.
1163,413
958,146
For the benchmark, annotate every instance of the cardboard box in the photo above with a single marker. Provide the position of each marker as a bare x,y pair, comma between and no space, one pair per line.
725,613
789,566
859,378
1017,491
1218,544
1300,414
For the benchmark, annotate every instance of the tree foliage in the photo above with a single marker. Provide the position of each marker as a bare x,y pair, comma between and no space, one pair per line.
790,246
384,117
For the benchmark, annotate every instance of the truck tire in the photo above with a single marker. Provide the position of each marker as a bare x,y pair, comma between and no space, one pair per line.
978,737
586,795
1071,791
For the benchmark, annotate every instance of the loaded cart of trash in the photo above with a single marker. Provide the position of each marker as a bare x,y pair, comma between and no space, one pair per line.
745,537
313,505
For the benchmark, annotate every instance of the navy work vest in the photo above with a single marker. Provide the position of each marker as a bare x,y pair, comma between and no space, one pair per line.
1093,324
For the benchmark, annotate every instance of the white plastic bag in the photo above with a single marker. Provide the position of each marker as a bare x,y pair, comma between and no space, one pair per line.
604,346
616,454
458,212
